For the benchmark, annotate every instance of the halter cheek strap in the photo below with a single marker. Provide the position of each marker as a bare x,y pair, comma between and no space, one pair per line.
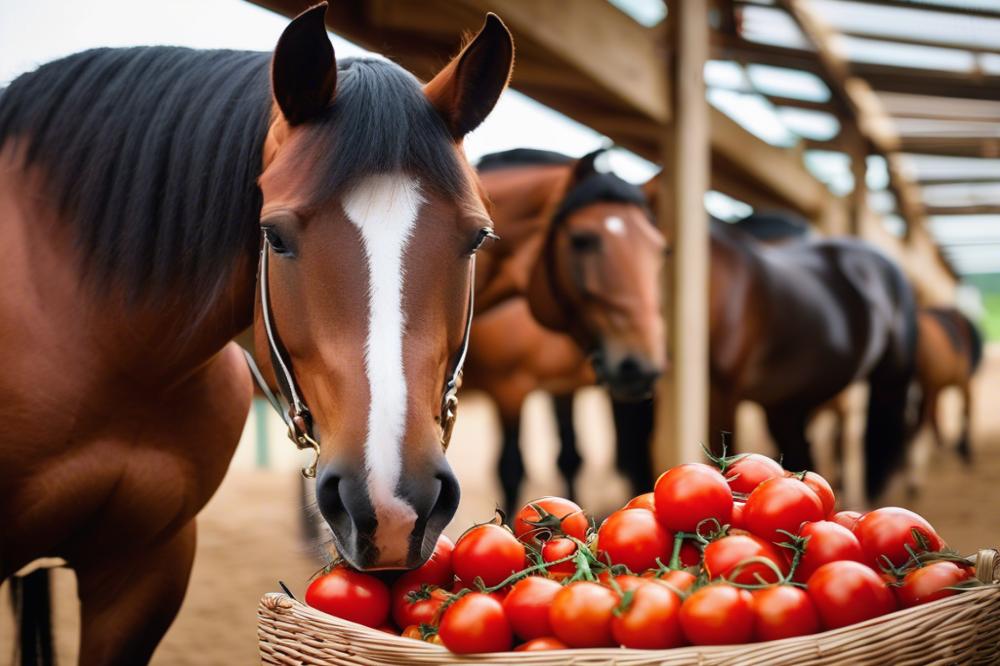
297,415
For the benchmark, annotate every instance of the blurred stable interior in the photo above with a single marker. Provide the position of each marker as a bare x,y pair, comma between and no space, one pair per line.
875,119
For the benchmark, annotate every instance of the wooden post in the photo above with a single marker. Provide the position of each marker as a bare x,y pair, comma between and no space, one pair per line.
859,196
682,413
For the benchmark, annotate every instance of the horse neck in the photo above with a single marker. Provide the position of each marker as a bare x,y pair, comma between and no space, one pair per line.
523,200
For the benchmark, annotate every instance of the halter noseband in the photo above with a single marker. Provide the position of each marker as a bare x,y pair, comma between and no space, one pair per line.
297,416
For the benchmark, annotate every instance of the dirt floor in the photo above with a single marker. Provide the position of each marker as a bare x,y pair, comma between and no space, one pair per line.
249,535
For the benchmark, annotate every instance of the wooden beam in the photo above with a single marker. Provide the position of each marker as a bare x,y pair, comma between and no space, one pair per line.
971,209
872,122
920,5
877,36
958,180
987,147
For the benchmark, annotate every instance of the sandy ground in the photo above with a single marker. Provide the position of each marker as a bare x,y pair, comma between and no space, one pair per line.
249,533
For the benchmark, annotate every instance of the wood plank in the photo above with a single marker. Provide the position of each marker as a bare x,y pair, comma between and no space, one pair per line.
972,209
958,10
877,36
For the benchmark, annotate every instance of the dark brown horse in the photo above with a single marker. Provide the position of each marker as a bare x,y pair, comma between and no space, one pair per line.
574,279
139,191
793,324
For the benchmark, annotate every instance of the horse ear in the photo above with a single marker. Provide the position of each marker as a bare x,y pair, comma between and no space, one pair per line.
466,90
304,69
586,166
651,190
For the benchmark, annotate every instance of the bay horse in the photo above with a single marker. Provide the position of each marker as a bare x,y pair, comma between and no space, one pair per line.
793,324
949,353
569,297
141,192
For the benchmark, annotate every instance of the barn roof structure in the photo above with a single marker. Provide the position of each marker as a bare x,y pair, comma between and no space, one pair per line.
905,90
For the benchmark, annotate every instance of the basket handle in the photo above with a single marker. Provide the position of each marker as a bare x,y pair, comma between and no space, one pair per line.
988,565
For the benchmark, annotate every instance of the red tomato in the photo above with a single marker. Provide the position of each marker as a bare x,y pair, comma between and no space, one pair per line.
542,644
527,606
625,582
475,623
887,531
688,494
418,604
413,631
560,516
783,611
435,571
846,519
634,538
828,542
488,551
723,556
718,614
847,592
651,620
350,595
643,501
679,580
750,471
581,615
556,549
930,582
389,629
738,521
823,491
781,504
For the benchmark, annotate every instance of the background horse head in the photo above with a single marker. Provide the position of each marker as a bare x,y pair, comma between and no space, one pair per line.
371,217
590,266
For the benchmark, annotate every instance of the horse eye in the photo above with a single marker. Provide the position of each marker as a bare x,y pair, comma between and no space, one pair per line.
275,241
585,242
486,233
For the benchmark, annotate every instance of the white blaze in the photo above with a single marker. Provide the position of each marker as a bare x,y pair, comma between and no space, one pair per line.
384,209
615,224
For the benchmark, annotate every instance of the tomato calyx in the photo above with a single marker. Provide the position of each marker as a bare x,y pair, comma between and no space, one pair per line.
548,524
919,556
797,544
723,462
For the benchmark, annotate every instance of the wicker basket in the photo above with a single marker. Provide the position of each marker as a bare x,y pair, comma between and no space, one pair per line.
962,629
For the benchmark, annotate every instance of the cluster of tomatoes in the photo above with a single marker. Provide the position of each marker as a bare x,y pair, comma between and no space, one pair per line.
736,553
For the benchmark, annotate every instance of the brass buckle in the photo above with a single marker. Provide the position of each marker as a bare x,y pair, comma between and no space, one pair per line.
303,441
448,420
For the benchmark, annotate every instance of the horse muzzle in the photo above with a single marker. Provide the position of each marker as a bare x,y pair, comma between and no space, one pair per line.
379,528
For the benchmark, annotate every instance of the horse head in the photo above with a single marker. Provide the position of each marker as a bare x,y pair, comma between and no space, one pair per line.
598,278
371,217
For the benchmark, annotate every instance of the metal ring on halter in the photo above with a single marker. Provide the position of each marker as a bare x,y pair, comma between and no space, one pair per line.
448,420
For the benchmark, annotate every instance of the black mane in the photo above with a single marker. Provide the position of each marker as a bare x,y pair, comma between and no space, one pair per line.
153,153
775,226
517,157
593,187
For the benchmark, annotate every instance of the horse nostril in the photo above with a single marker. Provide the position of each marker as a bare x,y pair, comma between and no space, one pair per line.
345,507
629,369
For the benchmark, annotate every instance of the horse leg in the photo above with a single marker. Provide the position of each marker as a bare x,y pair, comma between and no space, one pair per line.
128,604
633,431
788,427
964,443
569,460
511,464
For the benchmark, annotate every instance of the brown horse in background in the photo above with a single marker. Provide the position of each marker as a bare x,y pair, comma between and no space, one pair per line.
140,189
948,354
569,296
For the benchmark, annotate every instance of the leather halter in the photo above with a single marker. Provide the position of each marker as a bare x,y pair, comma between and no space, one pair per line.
297,416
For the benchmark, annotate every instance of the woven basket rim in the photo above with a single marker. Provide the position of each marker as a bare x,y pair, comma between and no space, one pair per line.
283,604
